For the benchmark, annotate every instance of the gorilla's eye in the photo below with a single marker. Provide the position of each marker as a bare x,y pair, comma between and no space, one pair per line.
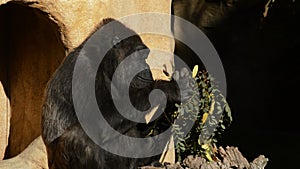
116,40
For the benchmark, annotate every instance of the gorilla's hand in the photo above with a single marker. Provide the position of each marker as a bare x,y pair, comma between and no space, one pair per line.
185,83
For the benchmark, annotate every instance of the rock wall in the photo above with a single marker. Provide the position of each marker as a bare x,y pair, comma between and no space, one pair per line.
35,37
4,120
4,100
33,53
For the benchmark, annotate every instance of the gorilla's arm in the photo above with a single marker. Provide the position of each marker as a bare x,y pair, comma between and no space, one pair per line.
58,111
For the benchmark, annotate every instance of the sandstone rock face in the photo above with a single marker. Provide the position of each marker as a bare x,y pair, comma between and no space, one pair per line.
34,52
33,157
4,121
35,37
4,100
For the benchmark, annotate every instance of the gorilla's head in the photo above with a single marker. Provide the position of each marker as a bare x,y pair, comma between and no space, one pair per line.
127,54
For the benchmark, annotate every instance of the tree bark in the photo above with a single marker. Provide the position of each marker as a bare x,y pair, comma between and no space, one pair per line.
229,158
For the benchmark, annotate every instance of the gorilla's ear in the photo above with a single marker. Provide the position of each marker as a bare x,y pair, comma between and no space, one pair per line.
110,86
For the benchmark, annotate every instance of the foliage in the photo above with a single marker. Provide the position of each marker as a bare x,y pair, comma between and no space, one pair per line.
209,111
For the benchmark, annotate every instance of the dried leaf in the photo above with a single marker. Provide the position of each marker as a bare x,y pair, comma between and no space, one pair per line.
204,117
195,71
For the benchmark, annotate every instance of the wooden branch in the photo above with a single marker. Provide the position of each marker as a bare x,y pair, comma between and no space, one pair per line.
229,158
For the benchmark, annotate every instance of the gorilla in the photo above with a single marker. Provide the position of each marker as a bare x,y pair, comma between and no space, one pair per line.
68,145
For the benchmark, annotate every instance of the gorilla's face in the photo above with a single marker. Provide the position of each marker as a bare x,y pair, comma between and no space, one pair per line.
127,55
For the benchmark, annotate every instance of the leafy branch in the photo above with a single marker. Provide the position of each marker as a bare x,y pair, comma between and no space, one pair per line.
209,111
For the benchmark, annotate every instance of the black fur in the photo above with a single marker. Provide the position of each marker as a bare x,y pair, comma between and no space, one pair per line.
68,146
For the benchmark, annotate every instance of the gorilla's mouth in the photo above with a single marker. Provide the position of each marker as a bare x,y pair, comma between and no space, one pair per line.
145,76
144,79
